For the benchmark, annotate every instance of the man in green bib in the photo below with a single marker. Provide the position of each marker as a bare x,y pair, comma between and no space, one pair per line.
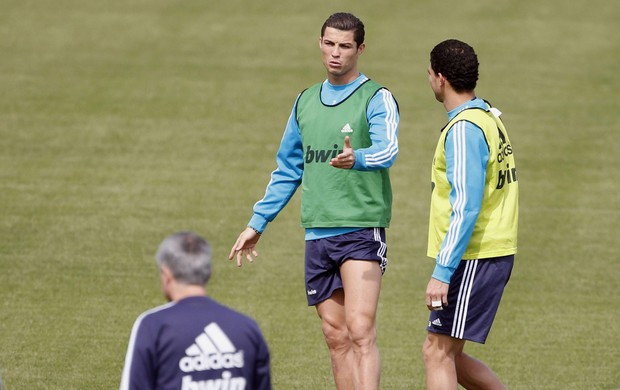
338,146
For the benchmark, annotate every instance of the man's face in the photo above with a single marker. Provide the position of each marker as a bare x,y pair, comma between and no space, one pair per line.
436,83
340,53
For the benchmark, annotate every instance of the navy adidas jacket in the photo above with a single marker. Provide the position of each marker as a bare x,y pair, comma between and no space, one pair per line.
196,343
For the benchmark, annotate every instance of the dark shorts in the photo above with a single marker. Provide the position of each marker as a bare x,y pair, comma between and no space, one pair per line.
474,294
325,256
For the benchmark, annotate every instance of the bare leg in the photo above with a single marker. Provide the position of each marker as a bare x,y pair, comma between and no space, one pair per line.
475,375
440,361
362,285
337,338
447,366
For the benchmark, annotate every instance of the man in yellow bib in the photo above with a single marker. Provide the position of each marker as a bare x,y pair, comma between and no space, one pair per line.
473,222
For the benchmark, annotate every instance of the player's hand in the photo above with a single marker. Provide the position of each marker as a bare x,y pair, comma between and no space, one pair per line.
346,159
245,246
436,294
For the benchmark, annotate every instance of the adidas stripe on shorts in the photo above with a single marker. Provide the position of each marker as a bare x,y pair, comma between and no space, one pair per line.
324,257
474,294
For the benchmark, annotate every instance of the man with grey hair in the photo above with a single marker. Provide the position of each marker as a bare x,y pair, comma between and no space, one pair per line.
193,342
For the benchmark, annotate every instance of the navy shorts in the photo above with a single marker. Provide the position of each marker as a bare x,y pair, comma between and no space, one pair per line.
474,294
324,257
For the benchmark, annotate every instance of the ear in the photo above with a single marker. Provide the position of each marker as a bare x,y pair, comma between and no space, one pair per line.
165,275
361,48
442,79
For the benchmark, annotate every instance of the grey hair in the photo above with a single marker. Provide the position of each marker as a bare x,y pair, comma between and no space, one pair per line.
188,256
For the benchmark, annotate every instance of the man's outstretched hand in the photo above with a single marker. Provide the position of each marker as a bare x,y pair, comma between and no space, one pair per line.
245,246
346,159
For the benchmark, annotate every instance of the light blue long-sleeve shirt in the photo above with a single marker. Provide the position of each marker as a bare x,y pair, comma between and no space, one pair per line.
383,118
467,154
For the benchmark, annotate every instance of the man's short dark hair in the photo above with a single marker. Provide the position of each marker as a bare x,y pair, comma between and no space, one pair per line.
345,21
457,62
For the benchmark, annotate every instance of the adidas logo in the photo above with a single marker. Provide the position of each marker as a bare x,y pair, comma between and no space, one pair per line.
346,129
212,350
437,322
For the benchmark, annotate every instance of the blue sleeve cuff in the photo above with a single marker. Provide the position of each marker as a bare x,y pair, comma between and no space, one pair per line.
360,161
258,223
443,273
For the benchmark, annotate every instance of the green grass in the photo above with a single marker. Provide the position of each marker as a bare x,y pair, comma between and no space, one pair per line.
124,121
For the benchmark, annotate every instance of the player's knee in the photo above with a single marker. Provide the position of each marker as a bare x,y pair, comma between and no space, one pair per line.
362,333
428,352
336,336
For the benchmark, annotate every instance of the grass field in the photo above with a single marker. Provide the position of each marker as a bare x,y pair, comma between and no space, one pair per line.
124,121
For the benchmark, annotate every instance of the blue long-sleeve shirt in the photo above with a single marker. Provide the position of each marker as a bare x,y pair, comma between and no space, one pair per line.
467,154
383,118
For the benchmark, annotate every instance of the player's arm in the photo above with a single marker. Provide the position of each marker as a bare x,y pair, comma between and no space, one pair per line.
285,180
467,154
383,118
138,371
